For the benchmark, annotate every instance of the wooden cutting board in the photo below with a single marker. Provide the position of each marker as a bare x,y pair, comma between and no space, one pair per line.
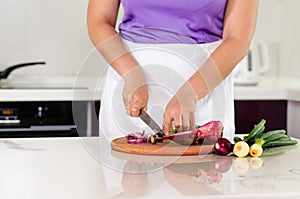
167,148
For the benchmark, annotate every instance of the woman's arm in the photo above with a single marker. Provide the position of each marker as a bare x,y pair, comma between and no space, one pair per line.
101,19
239,27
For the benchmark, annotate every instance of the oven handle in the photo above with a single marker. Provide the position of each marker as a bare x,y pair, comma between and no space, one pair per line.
41,128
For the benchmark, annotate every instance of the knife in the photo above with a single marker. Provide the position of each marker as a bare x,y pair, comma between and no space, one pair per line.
151,123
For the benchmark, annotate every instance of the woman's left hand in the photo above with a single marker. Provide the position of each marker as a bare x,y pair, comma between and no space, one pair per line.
181,110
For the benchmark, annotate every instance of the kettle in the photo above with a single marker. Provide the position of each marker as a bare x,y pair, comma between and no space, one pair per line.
254,64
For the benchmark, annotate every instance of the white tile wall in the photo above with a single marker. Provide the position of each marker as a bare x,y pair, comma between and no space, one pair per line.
55,31
50,30
12,27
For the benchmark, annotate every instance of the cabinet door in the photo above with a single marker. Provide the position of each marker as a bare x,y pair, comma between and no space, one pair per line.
293,125
248,113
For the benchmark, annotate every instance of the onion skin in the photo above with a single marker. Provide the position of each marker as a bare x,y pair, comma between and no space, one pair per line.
223,146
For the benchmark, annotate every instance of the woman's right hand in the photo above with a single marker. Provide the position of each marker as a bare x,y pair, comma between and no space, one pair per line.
135,92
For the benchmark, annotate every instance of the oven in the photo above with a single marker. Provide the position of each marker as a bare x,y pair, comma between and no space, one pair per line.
39,116
48,119
36,119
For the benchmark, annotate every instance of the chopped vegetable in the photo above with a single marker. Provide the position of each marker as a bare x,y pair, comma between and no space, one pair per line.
152,139
136,141
241,149
158,138
223,146
136,138
172,132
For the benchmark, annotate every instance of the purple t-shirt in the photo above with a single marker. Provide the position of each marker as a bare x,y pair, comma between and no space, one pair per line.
173,21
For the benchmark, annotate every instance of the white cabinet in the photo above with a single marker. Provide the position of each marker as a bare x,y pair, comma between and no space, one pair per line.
293,119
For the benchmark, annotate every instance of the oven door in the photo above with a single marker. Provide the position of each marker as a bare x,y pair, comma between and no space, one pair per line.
39,119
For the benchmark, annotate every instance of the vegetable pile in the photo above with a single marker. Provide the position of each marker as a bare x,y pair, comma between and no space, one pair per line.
208,133
211,133
255,142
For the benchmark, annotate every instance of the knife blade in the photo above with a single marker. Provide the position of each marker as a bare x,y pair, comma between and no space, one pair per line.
150,122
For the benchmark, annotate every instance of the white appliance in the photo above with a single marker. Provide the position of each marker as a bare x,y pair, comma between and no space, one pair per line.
254,64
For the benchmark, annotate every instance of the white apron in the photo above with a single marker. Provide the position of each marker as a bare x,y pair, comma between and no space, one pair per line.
167,67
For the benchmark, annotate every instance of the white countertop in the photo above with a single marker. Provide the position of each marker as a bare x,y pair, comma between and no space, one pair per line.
81,168
61,89
270,88
50,89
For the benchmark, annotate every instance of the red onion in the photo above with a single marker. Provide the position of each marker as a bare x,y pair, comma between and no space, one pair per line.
136,138
223,146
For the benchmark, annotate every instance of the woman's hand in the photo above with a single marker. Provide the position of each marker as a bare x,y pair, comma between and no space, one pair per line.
135,92
181,110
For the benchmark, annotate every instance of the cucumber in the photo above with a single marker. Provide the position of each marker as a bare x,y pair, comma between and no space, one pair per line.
285,138
280,143
251,141
274,137
256,131
272,133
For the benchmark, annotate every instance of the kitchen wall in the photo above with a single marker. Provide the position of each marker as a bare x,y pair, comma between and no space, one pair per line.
49,30
278,24
55,31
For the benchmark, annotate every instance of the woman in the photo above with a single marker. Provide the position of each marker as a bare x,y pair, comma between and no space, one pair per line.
210,37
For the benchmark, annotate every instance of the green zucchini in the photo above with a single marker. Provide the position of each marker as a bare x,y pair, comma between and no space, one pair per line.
277,143
274,137
270,136
272,133
256,131
285,138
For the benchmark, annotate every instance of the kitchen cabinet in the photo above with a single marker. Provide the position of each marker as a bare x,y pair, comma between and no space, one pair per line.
250,112
293,115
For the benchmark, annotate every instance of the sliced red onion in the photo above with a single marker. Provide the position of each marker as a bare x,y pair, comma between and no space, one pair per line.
152,139
136,138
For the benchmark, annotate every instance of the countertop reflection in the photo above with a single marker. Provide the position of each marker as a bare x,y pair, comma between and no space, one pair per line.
87,168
